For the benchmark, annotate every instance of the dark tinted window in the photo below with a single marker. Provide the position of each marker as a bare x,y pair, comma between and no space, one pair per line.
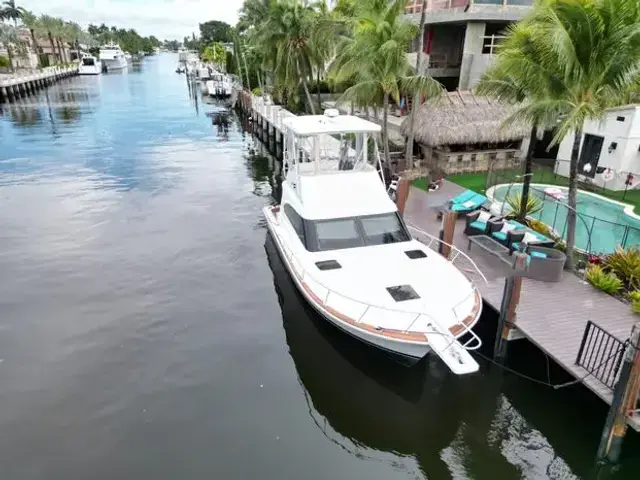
296,221
336,234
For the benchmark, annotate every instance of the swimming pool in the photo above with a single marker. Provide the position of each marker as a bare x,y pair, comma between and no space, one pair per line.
606,219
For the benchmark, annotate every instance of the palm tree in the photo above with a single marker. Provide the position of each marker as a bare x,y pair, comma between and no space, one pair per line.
9,38
287,32
49,25
11,11
74,34
576,58
376,57
31,22
416,99
61,34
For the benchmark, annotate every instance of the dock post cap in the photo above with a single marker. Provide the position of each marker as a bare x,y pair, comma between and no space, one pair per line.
331,112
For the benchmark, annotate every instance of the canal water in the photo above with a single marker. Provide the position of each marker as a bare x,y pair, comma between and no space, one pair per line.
148,328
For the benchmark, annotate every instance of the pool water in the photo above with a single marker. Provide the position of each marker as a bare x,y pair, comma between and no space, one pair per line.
601,226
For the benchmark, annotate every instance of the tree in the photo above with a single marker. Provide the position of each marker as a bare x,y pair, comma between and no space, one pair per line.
376,57
215,31
50,25
31,22
8,37
74,33
215,53
573,59
287,33
11,11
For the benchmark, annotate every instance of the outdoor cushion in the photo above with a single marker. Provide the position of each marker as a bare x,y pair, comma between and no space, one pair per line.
518,225
530,238
469,204
538,254
499,235
516,245
484,217
506,228
464,196
478,225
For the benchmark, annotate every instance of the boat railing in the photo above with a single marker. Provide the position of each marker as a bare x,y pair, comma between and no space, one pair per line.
346,304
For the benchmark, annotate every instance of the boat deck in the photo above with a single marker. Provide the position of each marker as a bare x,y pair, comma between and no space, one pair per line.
553,316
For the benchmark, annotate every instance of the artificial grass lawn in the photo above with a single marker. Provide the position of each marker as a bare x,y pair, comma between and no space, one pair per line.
478,182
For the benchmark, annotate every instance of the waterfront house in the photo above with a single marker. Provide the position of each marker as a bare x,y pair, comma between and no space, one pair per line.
609,152
461,132
461,36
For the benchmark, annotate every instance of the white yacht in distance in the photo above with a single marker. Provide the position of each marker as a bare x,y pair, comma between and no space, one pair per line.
219,85
351,255
89,65
112,57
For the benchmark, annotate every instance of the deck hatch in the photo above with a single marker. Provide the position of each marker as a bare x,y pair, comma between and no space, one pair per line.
328,265
401,293
415,254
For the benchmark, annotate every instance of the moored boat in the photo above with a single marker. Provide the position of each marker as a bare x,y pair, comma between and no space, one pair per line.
351,255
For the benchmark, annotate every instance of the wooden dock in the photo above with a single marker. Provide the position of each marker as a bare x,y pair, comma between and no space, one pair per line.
14,86
553,316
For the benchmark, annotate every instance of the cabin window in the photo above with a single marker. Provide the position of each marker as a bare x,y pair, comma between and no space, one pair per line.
382,229
296,221
356,232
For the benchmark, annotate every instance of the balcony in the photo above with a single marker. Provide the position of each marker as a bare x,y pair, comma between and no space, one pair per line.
443,11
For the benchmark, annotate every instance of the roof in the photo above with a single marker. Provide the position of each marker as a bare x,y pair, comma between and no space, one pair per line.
463,118
352,194
315,124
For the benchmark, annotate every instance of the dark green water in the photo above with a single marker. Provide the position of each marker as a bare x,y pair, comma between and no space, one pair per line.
148,329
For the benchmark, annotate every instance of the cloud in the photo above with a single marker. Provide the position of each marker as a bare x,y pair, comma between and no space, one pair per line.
163,18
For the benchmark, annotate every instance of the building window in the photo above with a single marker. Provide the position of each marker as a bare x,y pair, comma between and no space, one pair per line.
413,6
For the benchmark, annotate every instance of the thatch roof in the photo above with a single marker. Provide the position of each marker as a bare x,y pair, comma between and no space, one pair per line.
462,118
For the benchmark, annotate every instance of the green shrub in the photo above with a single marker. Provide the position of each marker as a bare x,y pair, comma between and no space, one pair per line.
4,62
256,91
533,205
626,265
608,282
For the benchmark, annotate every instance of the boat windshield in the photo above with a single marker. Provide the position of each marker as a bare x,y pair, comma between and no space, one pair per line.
355,232
88,62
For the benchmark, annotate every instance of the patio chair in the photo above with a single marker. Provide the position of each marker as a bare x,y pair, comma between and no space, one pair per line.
506,232
545,264
477,223
530,238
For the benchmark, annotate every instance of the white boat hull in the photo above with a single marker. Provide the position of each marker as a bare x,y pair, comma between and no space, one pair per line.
115,64
412,350
89,70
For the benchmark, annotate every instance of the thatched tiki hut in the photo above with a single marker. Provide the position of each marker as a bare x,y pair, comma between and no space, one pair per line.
461,132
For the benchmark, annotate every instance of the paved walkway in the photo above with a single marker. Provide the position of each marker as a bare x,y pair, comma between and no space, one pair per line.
551,315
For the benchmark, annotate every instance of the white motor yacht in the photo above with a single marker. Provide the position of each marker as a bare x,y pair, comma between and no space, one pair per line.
351,254
112,57
89,65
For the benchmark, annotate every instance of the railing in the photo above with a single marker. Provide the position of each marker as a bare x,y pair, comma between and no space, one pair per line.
415,6
490,43
600,354
358,310
30,77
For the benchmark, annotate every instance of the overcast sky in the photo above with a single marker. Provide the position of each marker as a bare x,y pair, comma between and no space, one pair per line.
162,18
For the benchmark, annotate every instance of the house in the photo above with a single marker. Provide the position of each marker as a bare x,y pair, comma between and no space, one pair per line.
461,36
461,132
609,150
48,56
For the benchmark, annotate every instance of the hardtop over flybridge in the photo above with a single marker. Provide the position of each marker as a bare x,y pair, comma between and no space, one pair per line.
351,255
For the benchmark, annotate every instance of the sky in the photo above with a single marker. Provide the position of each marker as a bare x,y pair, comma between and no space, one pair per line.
166,19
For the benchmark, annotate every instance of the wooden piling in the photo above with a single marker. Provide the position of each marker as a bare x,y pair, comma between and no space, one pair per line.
508,309
625,396
402,194
447,229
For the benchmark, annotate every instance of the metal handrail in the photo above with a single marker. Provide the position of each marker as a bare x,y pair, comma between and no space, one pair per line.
473,343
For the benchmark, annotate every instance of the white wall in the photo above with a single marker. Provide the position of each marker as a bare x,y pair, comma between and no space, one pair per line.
624,159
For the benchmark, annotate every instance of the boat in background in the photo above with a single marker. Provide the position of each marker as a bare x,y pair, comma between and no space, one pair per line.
219,86
112,57
351,255
89,65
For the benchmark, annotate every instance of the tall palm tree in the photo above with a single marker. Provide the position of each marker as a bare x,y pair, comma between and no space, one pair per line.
8,37
74,33
415,106
61,35
376,57
49,25
287,31
31,22
576,58
11,11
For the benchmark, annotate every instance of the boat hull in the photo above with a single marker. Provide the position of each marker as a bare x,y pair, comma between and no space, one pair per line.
411,351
